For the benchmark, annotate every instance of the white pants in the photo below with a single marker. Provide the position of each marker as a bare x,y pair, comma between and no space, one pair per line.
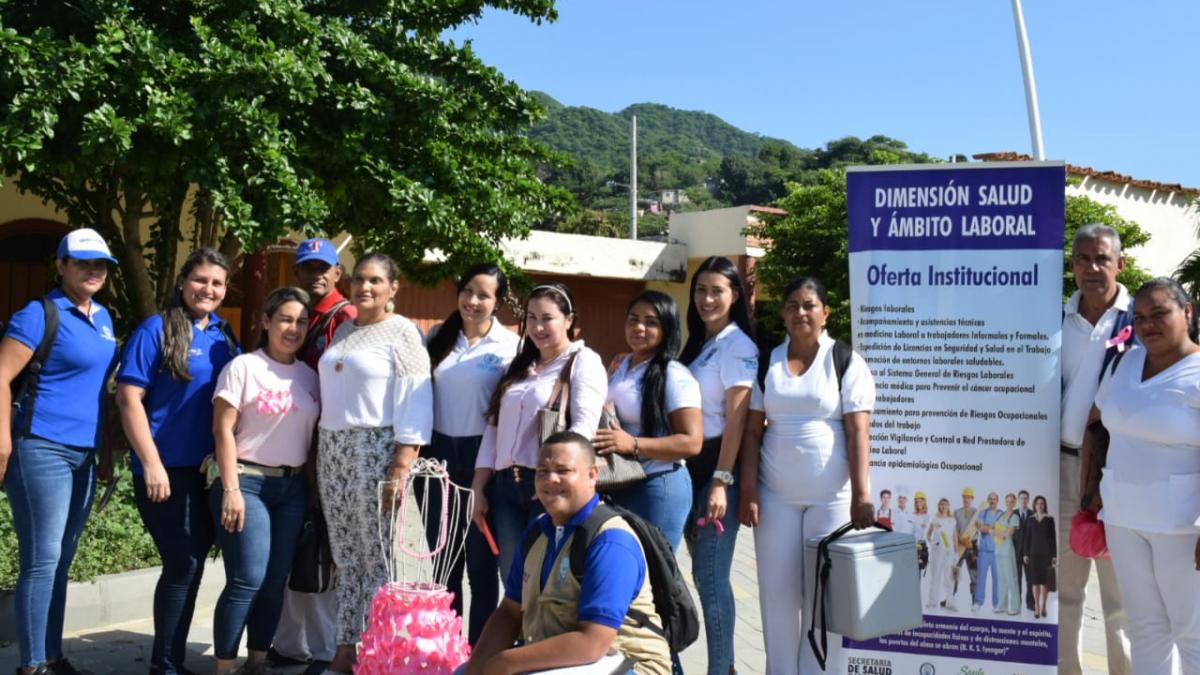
306,626
941,584
1161,590
783,527
1073,573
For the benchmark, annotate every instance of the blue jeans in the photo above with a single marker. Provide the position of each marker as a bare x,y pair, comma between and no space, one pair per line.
712,559
511,508
257,560
50,490
663,499
481,566
182,530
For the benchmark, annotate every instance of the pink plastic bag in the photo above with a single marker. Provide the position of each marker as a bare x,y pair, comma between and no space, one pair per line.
1087,536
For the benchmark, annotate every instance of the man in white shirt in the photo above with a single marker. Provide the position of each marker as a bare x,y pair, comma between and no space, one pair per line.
1094,315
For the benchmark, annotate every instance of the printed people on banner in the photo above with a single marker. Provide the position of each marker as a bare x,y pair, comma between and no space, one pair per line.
266,406
49,437
1094,315
941,537
883,514
966,547
165,388
308,620
1149,402
721,354
1006,530
1023,512
808,473
377,410
469,353
1040,545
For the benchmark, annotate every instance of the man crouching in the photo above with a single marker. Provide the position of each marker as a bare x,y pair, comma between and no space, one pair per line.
564,621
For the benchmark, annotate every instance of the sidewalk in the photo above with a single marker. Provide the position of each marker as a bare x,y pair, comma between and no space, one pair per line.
125,648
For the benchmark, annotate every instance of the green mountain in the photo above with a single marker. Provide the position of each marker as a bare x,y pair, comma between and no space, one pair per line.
602,138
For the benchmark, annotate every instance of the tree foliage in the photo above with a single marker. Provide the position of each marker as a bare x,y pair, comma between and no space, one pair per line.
253,118
812,240
1188,272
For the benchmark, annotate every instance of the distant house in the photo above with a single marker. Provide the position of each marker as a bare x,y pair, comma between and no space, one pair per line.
1167,211
670,200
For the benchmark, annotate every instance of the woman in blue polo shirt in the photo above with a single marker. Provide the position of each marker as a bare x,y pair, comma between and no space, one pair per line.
55,436
165,389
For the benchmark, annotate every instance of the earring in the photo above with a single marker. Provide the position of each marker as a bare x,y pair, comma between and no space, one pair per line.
390,306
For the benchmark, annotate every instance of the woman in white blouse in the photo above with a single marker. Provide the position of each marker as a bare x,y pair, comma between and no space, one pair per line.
657,403
723,358
376,411
1150,404
469,352
503,482
940,535
808,473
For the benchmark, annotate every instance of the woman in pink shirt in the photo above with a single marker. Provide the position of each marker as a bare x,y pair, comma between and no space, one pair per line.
265,409
503,483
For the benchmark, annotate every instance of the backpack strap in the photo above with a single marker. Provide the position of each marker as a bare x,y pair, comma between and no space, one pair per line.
842,354
321,326
26,392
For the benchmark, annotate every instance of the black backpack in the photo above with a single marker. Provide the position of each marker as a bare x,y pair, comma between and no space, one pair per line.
841,362
25,385
672,600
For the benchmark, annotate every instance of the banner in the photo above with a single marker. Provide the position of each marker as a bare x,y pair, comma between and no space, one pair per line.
956,285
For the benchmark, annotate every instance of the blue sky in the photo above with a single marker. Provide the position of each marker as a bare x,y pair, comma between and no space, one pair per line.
1118,82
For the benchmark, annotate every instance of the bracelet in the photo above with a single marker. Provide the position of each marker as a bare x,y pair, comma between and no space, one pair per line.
236,488
636,454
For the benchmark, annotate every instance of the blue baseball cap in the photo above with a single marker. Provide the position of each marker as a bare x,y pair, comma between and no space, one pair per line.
317,249
85,244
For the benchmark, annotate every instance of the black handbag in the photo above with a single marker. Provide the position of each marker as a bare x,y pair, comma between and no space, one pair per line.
312,567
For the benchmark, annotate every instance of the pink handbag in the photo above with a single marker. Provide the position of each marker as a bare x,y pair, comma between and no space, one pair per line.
1087,536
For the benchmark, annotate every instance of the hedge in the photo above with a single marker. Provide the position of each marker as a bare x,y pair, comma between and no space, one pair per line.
113,541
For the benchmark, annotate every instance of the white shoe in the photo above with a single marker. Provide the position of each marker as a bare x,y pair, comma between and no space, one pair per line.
975,608
951,607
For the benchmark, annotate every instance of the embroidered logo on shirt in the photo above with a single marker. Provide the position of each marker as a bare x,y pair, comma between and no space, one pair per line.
492,363
275,402
196,351
107,334
750,364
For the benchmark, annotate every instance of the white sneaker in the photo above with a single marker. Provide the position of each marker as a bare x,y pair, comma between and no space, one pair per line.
951,607
975,608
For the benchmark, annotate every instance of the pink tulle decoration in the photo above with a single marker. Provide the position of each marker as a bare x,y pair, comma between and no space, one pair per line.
412,630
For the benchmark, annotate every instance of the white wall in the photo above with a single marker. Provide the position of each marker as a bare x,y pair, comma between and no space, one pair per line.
1169,218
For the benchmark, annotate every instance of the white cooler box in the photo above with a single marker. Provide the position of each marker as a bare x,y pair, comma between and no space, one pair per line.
873,587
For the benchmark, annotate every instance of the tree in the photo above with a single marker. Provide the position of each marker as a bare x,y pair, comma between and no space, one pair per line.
812,240
1188,272
233,123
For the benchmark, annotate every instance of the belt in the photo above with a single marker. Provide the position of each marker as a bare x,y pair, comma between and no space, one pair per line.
252,469
1074,452
516,471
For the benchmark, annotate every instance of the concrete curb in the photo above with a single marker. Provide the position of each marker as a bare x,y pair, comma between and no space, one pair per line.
112,599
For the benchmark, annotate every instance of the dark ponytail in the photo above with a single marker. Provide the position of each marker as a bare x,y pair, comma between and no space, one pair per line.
443,340
177,321
655,416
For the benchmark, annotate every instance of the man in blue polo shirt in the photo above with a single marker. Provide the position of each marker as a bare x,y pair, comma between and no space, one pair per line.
564,621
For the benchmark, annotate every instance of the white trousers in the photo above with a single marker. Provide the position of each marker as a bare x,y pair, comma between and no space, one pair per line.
940,583
1161,590
1073,573
307,625
783,528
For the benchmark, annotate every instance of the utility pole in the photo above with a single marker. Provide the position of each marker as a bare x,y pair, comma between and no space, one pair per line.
633,179
1031,98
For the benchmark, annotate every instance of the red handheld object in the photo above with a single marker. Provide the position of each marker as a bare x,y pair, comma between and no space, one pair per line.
491,541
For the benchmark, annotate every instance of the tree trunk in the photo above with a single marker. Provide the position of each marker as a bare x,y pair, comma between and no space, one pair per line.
138,285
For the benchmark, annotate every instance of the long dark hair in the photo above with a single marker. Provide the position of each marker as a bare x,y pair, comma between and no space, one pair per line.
177,321
655,419
278,298
739,312
442,341
519,368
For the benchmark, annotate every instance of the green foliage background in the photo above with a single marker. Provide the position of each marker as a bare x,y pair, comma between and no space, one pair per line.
113,541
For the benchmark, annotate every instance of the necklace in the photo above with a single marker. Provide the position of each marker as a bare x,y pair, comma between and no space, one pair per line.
351,342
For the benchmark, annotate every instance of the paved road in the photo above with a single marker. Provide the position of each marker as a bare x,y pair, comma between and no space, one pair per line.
125,649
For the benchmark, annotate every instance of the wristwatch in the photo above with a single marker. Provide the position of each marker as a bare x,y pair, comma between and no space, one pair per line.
723,476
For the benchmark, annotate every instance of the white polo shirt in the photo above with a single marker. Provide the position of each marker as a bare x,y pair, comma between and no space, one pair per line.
464,380
625,393
727,360
1083,347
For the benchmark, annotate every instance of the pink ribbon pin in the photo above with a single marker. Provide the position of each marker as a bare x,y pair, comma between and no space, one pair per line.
1120,339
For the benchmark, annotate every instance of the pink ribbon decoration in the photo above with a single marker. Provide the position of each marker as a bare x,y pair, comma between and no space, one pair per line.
1120,339
412,630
